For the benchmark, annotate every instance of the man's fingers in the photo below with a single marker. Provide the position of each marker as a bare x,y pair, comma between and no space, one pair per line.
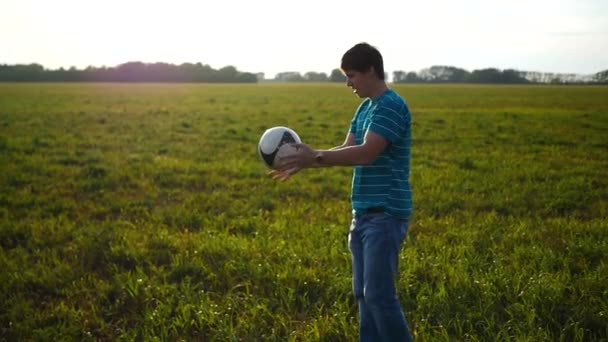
279,175
283,175
286,163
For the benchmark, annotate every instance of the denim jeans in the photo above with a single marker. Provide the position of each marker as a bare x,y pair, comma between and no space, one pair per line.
375,241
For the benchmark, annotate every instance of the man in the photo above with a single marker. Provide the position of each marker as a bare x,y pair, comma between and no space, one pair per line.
378,146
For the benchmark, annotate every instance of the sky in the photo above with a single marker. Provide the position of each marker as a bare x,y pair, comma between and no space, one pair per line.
271,36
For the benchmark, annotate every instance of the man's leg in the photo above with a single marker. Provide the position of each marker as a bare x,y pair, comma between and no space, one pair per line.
381,238
367,326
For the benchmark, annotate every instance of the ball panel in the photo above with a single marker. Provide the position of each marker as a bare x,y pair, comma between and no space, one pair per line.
268,158
270,141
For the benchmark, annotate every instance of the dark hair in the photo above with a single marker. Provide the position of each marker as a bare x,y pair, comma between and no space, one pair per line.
362,57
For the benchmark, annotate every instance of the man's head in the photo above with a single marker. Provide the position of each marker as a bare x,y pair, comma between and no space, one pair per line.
364,69
362,58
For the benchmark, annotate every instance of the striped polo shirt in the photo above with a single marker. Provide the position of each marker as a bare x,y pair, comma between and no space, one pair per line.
385,182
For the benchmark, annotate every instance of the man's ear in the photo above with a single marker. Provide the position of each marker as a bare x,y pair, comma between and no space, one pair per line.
371,71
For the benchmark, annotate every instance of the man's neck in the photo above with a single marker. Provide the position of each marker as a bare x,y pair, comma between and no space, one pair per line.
379,89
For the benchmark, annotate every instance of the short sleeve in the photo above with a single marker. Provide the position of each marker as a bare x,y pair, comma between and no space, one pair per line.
389,122
354,122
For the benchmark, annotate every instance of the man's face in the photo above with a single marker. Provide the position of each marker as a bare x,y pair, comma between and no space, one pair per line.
360,82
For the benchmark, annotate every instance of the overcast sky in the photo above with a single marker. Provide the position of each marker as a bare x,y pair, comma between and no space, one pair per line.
270,36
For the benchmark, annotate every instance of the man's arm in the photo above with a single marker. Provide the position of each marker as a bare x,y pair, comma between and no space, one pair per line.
350,154
349,141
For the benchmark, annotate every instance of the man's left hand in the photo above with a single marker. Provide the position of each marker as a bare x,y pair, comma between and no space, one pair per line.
302,157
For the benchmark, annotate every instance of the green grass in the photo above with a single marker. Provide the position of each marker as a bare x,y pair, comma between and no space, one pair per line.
141,211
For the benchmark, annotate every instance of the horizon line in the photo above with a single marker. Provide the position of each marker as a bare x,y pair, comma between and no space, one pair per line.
288,71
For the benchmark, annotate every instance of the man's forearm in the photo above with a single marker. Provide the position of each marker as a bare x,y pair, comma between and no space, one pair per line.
342,156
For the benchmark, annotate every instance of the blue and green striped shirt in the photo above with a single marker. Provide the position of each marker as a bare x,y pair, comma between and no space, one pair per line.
385,182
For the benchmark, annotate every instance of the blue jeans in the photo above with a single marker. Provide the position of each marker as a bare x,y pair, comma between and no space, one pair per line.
375,241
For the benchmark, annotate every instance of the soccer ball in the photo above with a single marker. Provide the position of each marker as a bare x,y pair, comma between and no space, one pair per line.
273,142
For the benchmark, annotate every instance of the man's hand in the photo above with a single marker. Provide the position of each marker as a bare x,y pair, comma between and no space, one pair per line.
303,156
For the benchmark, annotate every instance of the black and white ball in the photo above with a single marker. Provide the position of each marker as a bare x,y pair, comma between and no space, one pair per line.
273,144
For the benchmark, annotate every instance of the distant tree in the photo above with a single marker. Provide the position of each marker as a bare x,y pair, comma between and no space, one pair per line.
337,76
513,76
312,76
489,75
453,74
247,77
425,75
441,73
539,77
204,73
73,75
92,74
22,72
412,77
399,76
601,77
532,76
227,74
289,76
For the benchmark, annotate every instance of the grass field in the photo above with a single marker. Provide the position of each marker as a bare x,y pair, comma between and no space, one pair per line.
142,211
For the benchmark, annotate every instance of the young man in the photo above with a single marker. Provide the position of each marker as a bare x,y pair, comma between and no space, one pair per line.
378,146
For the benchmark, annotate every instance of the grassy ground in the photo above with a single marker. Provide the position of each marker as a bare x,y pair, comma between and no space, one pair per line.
141,211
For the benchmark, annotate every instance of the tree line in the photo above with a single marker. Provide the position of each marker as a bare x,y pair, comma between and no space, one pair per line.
127,72
450,74
189,72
